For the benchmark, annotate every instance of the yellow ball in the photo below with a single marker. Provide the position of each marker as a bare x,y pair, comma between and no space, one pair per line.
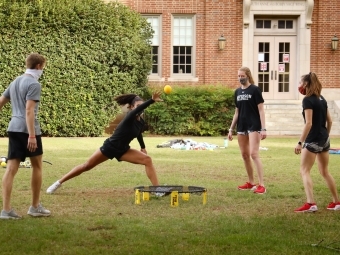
3,164
167,89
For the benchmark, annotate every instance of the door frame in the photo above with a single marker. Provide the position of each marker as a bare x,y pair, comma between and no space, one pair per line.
302,12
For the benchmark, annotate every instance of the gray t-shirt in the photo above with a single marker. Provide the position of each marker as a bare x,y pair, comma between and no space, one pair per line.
23,88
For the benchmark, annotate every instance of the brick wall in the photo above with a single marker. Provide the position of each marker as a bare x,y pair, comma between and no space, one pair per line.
216,17
326,23
213,18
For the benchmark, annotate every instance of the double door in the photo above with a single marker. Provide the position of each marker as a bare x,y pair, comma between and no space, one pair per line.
275,66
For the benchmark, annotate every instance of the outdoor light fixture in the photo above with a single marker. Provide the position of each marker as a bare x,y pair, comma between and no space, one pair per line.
335,41
221,42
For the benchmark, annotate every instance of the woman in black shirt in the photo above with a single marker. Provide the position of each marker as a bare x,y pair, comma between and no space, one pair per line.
249,118
117,146
314,141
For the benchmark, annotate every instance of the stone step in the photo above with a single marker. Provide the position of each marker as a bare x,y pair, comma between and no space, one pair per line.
285,117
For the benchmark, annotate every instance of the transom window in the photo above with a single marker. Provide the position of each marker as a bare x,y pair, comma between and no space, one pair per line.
285,24
266,24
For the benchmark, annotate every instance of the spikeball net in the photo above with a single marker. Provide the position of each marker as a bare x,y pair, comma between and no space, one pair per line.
142,193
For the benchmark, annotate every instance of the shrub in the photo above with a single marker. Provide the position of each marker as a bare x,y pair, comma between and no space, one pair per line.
202,111
95,51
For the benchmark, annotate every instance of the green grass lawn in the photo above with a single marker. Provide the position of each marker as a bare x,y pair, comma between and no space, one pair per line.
95,212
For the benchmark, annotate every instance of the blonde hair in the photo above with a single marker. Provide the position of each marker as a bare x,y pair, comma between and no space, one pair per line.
312,83
248,73
35,59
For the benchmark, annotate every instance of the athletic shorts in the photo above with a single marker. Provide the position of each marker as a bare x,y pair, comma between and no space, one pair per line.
247,132
17,146
109,150
317,147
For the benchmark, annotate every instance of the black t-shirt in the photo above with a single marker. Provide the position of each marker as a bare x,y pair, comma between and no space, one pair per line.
318,131
247,101
130,128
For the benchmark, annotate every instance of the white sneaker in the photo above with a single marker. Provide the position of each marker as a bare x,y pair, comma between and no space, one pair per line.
9,215
39,211
51,189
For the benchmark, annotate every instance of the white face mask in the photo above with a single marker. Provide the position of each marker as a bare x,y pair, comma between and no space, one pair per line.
35,73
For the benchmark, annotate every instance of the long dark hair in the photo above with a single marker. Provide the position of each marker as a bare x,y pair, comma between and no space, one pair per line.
127,99
312,83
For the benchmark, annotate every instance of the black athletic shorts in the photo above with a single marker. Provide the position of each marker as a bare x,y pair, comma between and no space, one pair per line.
317,147
17,146
111,151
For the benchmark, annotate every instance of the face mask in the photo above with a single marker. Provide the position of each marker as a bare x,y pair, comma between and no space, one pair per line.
243,81
302,90
35,73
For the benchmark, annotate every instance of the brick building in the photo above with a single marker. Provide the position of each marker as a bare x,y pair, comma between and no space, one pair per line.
279,40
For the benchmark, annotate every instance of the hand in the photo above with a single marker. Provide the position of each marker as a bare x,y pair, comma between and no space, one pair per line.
263,134
230,135
156,96
144,151
32,144
298,148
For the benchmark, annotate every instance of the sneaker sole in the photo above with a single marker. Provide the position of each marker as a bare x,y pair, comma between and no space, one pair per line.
251,189
306,211
260,193
38,214
336,208
51,192
9,218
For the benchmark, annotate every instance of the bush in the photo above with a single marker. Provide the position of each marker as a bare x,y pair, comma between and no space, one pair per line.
198,111
95,51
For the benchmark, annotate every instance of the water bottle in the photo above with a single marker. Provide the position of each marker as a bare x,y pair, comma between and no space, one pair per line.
225,142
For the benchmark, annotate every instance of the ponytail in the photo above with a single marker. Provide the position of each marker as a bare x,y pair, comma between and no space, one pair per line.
312,83
127,99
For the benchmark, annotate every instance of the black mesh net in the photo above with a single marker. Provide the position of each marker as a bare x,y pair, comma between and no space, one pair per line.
167,189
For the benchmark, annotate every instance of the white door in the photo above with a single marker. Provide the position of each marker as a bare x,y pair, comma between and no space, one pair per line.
275,66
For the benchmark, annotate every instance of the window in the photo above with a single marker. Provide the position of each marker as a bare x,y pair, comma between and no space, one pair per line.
183,41
285,24
155,42
263,24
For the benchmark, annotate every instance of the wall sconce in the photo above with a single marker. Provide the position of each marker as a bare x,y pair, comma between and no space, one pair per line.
221,42
335,41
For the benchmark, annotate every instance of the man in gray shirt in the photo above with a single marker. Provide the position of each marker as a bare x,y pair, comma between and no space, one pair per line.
24,135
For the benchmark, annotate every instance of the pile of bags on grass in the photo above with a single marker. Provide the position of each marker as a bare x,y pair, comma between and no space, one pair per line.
187,144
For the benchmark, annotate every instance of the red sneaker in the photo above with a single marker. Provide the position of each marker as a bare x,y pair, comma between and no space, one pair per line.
307,208
334,206
247,186
260,190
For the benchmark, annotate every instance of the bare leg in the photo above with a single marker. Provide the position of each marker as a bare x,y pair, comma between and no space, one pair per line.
7,182
138,157
307,161
243,142
322,159
36,179
96,158
254,144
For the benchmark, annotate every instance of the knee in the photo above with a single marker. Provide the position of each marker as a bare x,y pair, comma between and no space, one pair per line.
324,173
245,156
304,171
147,160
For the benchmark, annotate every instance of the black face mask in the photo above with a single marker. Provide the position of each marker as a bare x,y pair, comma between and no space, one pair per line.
243,81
